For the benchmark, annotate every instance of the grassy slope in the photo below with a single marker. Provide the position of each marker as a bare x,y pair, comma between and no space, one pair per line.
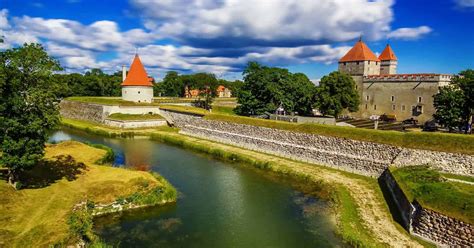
456,143
37,217
129,117
361,202
431,191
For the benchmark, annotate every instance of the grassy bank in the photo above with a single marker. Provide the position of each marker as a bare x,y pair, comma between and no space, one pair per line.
40,214
130,117
456,143
429,188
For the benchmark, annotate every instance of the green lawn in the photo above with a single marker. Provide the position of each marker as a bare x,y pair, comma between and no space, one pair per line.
129,117
428,187
37,216
458,177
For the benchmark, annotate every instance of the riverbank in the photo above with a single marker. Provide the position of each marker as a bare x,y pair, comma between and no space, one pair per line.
363,218
42,213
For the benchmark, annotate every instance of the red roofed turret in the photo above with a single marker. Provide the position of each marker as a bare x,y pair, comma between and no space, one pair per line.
137,75
387,54
359,52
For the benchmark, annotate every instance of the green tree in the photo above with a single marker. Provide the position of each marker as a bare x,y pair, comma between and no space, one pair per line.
449,103
335,93
28,106
266,88
455,103
172,84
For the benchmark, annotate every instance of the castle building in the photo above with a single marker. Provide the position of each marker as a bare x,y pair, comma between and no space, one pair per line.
136,85
383,91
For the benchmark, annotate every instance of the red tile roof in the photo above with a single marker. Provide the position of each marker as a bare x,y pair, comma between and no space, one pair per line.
387,54
137,75
220,88
360,52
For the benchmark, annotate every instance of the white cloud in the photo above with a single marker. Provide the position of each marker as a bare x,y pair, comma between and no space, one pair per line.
270,21
3,19
410,33
465,3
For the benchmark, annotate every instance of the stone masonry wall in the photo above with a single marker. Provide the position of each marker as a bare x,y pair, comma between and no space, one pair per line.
82,111
360,157
442,229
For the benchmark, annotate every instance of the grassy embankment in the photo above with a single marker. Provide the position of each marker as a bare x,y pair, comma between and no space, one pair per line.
456,143
130,117
41,214
432,191
363,216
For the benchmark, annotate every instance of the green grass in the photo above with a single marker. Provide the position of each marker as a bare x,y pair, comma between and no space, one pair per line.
456,143
428,187
130,117
108,101
458,177
38,217
185,109
223,110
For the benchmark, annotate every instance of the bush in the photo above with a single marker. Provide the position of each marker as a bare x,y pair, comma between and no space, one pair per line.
80,225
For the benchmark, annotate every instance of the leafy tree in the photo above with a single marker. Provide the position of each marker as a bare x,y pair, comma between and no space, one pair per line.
455,103
266,88
449,103
28,106
206,83
335,93
172,84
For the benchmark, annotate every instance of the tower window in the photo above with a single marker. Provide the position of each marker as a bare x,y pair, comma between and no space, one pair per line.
344,63
393,106
366,106
420,99
375,107
392,98
403,107
366,98
357,63
138,92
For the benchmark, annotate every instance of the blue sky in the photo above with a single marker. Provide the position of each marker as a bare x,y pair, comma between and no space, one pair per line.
221,36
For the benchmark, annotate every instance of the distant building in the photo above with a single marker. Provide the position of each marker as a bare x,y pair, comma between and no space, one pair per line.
136,85
221,91
383,91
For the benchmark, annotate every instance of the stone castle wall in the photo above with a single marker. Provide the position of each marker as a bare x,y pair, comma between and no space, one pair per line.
428,224
365,158
82,111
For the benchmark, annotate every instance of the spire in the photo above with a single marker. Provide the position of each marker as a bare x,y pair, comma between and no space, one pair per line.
387,54
359,52
137,75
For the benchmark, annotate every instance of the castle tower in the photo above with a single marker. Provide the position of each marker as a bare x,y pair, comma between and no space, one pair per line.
137,87
360,61
388,61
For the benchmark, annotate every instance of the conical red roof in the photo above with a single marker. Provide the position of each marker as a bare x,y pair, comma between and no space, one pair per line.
388,54
137,75
359,52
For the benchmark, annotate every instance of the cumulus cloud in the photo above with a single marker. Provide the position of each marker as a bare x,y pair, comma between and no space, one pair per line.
240,23
410,33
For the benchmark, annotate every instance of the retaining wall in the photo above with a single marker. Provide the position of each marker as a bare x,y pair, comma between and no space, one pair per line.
428,224
134,123
360,157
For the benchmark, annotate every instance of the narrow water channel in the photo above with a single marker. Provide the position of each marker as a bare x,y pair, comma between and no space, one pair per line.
219,204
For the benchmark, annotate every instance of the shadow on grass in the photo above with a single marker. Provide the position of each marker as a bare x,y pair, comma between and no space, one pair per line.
396,215
47,172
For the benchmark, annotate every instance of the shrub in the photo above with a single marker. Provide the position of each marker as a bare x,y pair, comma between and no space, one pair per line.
80,224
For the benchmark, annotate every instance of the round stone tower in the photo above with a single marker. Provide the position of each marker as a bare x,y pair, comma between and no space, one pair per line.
136,86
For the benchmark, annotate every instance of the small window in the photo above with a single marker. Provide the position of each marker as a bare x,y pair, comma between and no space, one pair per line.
344,63
376,62
366,106
393,106
138,100
403,107
357,63
138,92
392,98
375,107
420,99
369,62
366,98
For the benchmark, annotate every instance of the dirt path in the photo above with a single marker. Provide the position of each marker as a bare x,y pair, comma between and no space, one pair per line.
371,208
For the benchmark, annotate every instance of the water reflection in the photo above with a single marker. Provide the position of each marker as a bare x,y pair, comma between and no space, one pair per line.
220,205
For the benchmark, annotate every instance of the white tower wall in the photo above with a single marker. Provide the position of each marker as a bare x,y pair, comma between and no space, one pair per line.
137,94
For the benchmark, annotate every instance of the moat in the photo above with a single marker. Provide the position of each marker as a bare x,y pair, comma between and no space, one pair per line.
219,204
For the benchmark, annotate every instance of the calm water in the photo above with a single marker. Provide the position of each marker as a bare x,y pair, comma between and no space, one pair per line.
220,205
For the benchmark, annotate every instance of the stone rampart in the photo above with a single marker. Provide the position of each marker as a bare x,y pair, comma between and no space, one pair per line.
82,111
360,157
425,223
